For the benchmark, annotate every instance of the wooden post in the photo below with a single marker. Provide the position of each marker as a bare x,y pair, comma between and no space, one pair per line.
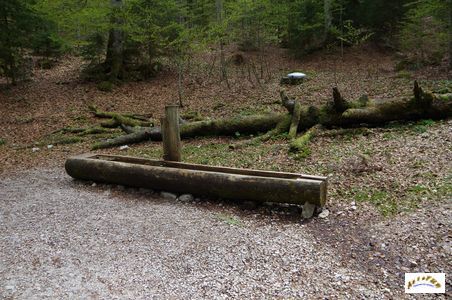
171,134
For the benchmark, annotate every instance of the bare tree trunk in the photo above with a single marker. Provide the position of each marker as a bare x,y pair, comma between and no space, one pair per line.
179,82
328,19
223,73
450,33
342,31
114,58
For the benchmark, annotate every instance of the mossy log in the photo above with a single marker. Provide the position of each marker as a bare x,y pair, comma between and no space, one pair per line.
281,127
295,120
299,144
82,131
121,118
424,105
105,114
220,127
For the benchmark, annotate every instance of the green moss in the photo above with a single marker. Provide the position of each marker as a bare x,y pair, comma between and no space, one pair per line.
393,203
2,142
229,219
24,120
416,127
105,86
404,74
303,153
242,124
418,189
192,116
309,117
422,125
383,201
284,124
363,101
300,144
444,97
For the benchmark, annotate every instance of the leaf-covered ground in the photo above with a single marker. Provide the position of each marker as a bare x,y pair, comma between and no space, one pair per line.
385,184
393,168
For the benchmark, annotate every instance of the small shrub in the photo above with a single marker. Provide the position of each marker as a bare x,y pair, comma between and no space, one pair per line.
105,86
45,63
422,125
2,142
404,74
48,44
92,48
351,35
423,36
229,219
302,153
192,116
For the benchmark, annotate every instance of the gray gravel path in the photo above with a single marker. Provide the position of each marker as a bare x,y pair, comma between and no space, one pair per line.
63,239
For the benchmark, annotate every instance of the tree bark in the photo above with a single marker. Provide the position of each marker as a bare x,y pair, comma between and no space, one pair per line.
220,127
295,120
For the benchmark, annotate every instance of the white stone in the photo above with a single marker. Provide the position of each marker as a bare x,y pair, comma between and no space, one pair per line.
49,146
296,75
186,198
125,147
308,210
325,213
35,149
169,196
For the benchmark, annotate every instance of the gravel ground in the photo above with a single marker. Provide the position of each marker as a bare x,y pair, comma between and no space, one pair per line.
65,239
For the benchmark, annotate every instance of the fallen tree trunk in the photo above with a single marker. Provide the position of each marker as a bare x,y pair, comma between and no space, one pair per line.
337,113
116,119
300,144
220,127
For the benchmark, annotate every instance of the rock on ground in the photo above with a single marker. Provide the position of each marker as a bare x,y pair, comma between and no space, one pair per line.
169,196
186,198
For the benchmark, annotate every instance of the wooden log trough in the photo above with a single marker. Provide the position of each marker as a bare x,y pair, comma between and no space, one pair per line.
209,181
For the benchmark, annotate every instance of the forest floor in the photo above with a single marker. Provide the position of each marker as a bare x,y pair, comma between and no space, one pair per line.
388,199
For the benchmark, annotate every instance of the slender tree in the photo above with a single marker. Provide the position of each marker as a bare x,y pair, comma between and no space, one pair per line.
220,15
450,33
328,18
114,58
